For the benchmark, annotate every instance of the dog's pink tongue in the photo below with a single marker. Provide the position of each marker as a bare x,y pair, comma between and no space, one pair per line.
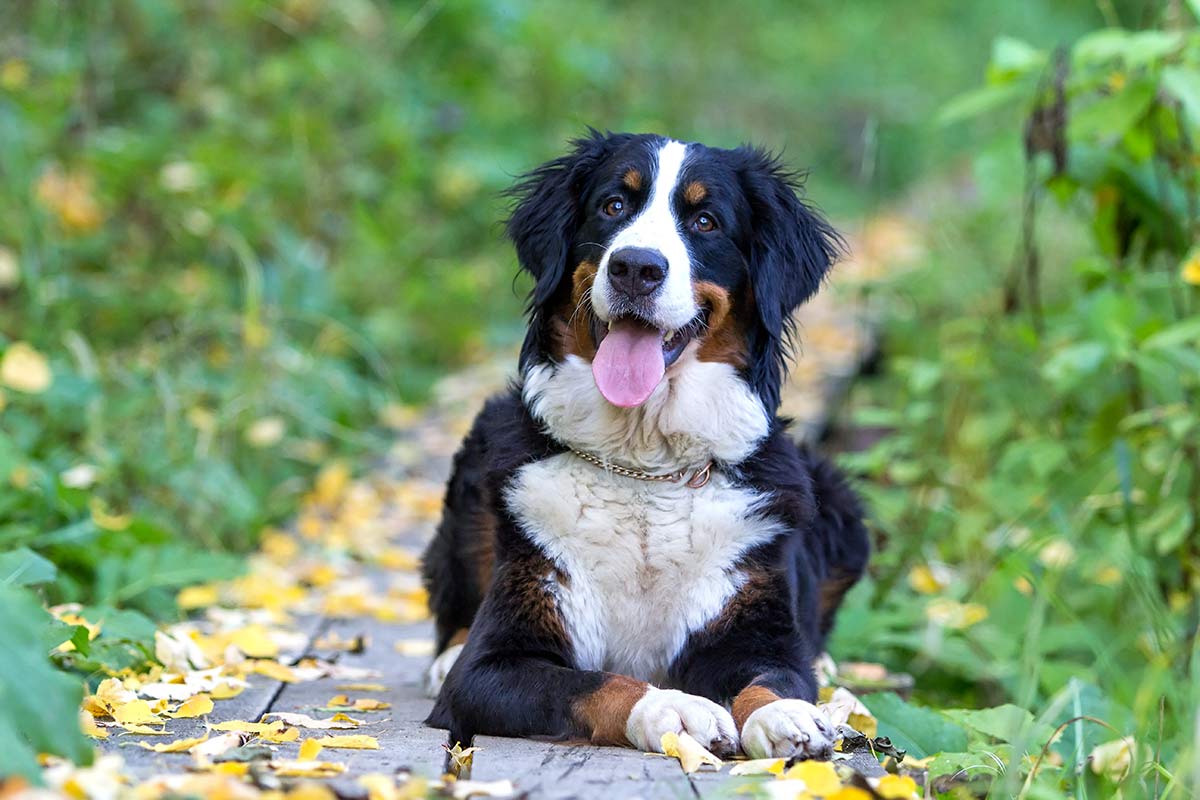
629,363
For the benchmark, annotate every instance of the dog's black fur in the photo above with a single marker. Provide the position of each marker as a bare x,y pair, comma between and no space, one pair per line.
517,675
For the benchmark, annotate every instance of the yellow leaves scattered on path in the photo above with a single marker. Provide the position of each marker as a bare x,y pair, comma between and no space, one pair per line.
359,742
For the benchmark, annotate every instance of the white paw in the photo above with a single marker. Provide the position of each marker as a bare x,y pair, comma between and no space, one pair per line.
440,668
786,728
669,710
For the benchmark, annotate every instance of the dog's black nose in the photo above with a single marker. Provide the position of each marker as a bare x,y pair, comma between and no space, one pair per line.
636,271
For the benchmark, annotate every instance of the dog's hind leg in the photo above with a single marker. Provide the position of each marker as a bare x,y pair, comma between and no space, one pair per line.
457,565
841,538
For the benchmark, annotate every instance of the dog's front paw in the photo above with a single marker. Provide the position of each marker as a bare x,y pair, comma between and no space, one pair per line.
670,711
786,728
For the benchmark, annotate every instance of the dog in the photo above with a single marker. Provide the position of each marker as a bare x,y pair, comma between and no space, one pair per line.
631,543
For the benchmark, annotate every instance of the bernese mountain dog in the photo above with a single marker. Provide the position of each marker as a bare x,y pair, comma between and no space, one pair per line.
631,542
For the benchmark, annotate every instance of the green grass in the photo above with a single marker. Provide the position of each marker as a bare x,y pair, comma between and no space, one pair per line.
242,230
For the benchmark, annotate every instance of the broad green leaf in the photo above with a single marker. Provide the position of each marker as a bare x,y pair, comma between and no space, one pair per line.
23,567
1013,57
39,706
919,731
1131,48
1184,83
1007,723
1069,366
1110,117
978,101
1180,333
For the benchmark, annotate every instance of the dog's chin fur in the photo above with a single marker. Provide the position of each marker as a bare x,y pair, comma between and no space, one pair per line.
701,412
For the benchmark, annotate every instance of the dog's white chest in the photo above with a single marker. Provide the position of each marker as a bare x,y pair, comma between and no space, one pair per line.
645,563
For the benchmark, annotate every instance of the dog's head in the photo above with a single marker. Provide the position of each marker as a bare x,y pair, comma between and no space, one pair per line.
647,252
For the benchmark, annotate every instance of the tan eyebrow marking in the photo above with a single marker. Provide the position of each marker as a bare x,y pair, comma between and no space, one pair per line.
694,192
632,179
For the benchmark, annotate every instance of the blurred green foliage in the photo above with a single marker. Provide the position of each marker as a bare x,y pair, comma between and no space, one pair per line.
1040,482
238,231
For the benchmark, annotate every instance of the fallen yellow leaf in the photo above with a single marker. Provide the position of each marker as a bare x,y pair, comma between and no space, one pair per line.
850,793
414,647
306,769
87,723
193,597
242,726
819,776
336,722
177,746
357,742
218,745
311,791
273,669
135,712
309,750
362,687
896,787
460,760
691,754
145,730
1113,758
225,691
280,735
197,706
255,641
361,704
25,369
759,766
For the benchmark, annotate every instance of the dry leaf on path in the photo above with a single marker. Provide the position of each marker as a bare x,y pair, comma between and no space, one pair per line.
759,766
306,769
137,712
357,742
361,687
691,754
177,746
87,723
460,760
819,777
310,749
197,706
219,745
337,722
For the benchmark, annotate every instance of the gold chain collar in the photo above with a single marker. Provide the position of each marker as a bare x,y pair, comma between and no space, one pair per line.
699,478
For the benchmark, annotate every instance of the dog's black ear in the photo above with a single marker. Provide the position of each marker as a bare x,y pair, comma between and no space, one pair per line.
547,213
792,248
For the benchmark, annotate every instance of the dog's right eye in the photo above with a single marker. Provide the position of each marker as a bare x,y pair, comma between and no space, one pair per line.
614,207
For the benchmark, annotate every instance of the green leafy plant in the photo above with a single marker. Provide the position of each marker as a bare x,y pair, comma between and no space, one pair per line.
1039,483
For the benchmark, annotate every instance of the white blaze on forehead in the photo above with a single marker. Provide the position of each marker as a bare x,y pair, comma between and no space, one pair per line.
656,228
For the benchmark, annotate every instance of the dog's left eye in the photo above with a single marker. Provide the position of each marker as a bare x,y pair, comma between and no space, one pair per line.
704,223
614,207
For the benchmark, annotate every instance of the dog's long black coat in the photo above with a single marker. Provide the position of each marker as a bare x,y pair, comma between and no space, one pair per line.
517,675
513,681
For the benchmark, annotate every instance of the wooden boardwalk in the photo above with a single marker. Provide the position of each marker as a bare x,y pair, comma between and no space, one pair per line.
539,770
